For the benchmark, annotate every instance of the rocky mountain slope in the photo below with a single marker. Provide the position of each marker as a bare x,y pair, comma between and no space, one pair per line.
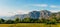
34,15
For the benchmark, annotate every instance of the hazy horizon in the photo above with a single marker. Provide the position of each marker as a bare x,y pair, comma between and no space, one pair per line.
12,7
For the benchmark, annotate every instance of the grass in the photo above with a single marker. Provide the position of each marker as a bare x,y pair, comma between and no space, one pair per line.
29,25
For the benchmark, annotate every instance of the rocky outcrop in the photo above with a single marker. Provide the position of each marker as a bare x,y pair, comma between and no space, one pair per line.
39,14
45,14
58,15
34,14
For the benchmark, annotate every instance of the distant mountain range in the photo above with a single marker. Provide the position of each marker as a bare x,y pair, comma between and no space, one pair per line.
33,14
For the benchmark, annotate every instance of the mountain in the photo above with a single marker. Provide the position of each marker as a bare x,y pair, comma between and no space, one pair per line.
45,14
4,17
39,14
21,16
33,15
58,15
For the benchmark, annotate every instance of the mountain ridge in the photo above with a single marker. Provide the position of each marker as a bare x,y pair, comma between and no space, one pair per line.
33,14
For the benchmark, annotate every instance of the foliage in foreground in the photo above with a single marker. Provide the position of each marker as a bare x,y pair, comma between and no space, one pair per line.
51,20
29,20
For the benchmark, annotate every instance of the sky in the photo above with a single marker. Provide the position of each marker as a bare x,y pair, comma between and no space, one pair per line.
12,7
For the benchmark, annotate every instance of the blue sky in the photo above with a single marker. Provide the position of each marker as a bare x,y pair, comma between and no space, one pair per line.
12,7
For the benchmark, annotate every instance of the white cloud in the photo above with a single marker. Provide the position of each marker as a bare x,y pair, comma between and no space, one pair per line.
6,10
40,5
10,11
53,11
3,13
54,6
22,12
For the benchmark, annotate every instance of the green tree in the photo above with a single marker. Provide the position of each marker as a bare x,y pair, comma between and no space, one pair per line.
17,20
52,21
26,20
43,20
9,22
2,21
